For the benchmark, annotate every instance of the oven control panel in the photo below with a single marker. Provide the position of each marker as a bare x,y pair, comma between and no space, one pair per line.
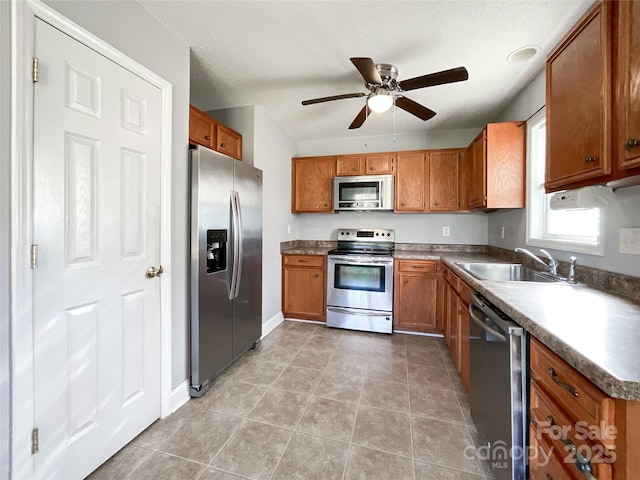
366,234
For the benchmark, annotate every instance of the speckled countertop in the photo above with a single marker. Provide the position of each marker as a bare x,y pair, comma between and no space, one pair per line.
595,332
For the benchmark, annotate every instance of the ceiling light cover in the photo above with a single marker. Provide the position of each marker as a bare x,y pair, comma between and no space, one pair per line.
522,54
380,103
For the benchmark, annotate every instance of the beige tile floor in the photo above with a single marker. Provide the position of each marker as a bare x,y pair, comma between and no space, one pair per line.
316,403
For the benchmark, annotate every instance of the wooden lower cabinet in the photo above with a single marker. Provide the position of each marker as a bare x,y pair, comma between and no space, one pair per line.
456,330
568,413
304,287
415,296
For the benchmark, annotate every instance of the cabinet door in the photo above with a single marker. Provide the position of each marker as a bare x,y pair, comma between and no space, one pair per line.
478,180
415,307
379,164
303,293
228,142
628,78
312,184
409,183
578,103
443,181
349,165
201,128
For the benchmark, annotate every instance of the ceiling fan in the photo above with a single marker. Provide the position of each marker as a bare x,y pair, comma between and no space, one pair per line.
385,91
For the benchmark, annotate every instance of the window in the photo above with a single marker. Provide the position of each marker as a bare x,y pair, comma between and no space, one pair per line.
577,230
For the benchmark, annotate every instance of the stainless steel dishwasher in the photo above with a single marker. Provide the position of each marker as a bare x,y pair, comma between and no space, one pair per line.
499,351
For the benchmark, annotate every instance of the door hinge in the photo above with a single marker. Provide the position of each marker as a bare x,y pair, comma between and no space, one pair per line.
35,70
35,441
34,256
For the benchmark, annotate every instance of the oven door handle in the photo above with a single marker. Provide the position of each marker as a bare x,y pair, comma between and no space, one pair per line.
360,314
349,260
483,325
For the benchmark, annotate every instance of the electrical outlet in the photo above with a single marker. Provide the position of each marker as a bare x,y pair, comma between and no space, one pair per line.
445,231
630,240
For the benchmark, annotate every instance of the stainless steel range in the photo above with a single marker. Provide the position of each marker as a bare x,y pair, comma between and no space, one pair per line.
360,281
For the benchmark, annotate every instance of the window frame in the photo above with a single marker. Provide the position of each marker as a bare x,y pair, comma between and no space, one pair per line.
537,208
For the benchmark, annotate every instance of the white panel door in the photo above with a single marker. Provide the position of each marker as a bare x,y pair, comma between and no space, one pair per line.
97,226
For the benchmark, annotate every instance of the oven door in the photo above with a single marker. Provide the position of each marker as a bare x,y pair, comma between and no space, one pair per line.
360,282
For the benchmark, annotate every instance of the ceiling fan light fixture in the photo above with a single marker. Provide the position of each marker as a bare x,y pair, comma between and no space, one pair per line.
380,102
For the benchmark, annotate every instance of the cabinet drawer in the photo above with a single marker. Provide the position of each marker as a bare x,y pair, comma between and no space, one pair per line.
550,423
544,464
304,260
464,292
424,266
450,278
580,399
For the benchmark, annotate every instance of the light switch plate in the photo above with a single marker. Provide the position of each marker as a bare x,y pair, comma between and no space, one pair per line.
630,240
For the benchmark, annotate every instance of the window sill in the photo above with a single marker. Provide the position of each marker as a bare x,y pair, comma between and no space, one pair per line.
567,246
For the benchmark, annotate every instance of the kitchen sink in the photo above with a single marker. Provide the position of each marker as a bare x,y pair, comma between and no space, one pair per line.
507,272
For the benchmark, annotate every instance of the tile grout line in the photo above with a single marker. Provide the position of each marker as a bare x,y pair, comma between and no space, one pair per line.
295,430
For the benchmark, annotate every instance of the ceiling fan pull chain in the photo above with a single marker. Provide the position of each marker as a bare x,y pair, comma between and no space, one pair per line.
394,119
366,124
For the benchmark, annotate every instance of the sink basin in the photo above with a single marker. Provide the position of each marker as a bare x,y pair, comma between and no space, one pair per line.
506,272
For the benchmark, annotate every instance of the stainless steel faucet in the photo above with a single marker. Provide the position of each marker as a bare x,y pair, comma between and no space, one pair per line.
571,278
552,265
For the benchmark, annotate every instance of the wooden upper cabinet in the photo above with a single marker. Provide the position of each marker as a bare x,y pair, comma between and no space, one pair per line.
228,141
349,165
206,131
312,184
627,142
379,164
202,128
409,182
444,174
579,102
477,172
498,167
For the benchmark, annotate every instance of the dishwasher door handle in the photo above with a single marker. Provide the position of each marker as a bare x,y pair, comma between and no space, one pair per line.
483,325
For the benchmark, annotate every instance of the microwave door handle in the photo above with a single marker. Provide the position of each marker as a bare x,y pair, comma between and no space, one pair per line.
483,325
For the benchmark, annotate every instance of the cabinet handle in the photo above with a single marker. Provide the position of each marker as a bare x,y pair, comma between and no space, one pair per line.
222,145
302,261
371,168
549,477
405,282
316,275
632,142
590,158
581,461
326,204
402,204
207,137
569,388
436,203
417,266
354,169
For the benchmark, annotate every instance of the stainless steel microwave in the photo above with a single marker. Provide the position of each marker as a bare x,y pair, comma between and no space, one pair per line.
363,193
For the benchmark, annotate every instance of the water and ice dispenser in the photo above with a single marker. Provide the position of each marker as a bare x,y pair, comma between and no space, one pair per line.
216,250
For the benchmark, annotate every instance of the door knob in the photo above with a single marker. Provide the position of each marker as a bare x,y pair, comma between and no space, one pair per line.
155,272
633,143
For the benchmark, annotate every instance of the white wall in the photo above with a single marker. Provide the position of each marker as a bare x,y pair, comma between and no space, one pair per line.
268,147
5,231
132,30
385,143
626,214
465,228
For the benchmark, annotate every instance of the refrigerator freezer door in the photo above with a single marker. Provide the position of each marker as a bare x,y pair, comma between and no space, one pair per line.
248,303
211,309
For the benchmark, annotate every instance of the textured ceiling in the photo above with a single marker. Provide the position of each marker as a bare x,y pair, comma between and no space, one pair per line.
276,54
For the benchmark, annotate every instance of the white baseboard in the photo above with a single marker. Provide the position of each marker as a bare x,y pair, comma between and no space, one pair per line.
272,323
180,395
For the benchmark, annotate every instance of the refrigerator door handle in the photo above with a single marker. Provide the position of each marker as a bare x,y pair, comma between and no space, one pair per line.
234,244
238,235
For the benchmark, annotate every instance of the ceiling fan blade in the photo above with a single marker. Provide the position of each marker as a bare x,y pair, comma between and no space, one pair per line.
334,97
367,69
360,118
423,113
439,78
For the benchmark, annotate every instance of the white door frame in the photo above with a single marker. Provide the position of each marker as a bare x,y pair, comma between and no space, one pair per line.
22,381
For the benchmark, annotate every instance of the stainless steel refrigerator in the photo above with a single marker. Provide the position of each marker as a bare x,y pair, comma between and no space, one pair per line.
226,263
